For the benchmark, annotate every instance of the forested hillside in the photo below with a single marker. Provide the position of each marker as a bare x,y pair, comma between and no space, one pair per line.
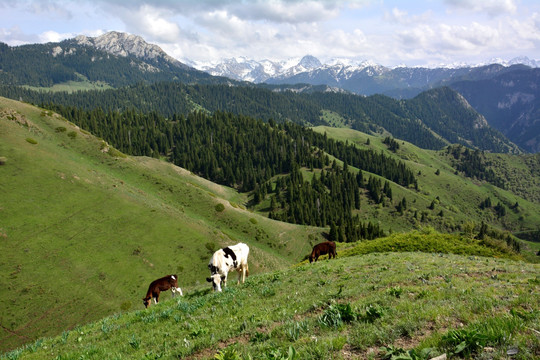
511,104
430,121
294,174
44,65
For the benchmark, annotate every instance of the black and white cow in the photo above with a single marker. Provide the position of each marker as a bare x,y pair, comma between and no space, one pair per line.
224,260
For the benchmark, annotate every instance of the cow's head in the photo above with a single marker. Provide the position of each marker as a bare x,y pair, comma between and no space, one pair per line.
147,301
216,281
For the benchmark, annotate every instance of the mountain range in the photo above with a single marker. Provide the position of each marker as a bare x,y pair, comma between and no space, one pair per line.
340,70
117,59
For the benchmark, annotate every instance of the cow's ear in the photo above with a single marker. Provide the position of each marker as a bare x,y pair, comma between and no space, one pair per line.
209,279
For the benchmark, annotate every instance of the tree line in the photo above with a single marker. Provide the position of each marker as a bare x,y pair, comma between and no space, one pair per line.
251,155
413,120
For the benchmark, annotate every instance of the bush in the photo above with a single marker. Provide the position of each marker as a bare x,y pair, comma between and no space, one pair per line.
220,207
115,153
3,160
72,134
126,305
395,291
373,312
210,246
336,314
31,141
60,129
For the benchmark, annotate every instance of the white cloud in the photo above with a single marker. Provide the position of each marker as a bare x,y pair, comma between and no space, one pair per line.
491,7
292,12
415,32
53,36
15,36
151,22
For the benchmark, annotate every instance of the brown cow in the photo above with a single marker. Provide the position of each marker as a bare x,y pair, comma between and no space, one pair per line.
162,284
328,247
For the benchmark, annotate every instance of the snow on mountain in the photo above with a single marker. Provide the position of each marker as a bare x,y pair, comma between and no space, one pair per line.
259,71
339,69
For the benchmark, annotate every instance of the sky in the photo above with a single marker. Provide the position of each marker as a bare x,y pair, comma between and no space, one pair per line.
390,33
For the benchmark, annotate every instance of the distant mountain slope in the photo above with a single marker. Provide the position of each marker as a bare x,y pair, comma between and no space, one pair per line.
430,120
452,118
363,78
510,102
119,59
116,59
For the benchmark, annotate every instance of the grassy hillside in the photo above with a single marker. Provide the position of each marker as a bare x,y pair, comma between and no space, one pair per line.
83,230
372,306
455,198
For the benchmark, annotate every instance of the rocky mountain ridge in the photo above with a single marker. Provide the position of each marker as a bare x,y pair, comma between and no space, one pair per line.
123,44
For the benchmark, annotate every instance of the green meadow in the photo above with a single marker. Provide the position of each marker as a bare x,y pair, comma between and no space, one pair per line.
409,305
84,229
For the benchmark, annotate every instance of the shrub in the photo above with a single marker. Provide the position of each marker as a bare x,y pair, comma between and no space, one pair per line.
126,305
227,354
464,342
72,134
134,342
295,328
395,291
210,246
116,153
336,314
220,207
31,141
3,160
60,129
373,312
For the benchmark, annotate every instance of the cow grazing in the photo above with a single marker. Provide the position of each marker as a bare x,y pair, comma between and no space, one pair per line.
162,284
328,247
224,260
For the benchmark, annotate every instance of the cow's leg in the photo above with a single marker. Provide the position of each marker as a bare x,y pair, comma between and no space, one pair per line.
244,270
177,290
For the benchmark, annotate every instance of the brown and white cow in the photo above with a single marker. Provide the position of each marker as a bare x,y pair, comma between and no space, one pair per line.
162,284
328,247
224,260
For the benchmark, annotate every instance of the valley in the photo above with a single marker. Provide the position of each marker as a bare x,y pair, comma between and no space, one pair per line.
119,164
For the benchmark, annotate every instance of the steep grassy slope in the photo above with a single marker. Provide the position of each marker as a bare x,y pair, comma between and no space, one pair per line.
362,307
84,231
455,198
